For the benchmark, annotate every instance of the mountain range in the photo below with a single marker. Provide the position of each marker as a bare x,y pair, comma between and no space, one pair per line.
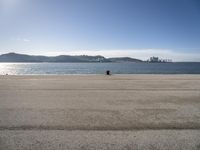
14,57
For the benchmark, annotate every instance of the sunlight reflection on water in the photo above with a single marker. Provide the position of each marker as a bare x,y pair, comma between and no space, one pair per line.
8,68
16,68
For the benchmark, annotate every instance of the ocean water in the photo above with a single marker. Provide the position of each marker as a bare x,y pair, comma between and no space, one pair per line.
98,68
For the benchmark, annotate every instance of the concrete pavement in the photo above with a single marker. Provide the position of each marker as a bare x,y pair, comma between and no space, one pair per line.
100,112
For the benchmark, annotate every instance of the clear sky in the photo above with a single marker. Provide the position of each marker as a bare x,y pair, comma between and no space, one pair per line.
135,28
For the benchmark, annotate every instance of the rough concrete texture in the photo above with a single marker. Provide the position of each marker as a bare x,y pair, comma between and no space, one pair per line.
100,140
100,112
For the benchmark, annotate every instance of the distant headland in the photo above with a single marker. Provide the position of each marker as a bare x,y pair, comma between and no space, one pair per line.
15,57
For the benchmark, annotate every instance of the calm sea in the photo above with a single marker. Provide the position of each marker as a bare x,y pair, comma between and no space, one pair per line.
99,68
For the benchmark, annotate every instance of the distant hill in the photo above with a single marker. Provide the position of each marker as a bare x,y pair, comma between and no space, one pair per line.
14,57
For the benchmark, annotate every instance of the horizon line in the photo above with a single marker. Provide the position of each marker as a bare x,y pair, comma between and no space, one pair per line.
142,54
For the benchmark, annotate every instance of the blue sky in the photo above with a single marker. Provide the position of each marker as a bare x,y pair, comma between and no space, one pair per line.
135,28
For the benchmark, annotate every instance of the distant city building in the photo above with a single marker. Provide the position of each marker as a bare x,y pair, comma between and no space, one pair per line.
158,60
154,59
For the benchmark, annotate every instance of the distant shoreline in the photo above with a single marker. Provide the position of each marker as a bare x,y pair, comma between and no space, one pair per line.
99,62
14,57
24,58
105,62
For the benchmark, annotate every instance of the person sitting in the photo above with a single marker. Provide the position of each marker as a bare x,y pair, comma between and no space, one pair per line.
108,72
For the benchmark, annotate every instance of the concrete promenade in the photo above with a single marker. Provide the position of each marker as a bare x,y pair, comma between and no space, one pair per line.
147,112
